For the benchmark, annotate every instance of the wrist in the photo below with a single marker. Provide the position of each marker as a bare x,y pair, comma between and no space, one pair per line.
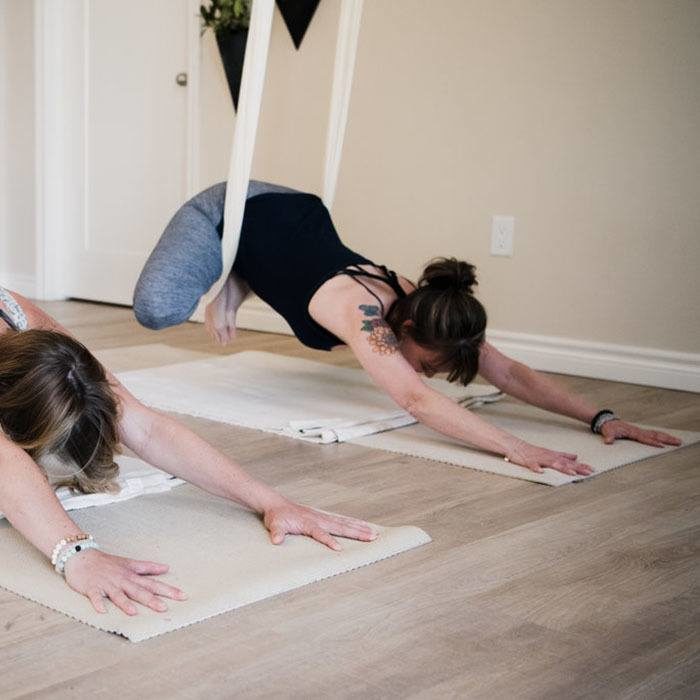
600,419
273,500
77,551
259,497
67,542
74,564
511,445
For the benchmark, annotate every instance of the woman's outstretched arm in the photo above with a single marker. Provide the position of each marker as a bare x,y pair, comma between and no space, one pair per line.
28,501
378,352
526,384
172,447
30,504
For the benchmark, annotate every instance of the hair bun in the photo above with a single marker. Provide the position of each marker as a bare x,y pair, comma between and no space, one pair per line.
449,273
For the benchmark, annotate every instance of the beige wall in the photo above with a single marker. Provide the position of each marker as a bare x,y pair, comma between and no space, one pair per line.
215,116
581,119
294,116
16,141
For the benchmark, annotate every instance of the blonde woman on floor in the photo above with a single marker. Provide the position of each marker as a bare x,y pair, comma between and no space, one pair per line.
57,400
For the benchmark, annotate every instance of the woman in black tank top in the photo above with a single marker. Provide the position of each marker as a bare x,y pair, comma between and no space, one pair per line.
291,256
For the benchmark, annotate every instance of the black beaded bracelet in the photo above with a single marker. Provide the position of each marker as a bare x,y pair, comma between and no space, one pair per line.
597,417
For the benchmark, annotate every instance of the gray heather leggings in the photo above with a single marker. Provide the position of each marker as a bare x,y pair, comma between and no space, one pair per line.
187,259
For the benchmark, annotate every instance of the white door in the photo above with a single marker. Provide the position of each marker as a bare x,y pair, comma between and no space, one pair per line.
135,140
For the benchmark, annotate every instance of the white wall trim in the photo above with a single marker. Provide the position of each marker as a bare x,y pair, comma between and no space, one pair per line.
58,46
48,30
194,52
85,133
345,52
620,363
38,145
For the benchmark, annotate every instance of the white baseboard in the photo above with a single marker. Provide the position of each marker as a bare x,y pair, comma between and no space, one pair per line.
22,284
619,363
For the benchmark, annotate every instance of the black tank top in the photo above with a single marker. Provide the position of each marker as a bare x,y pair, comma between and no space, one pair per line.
288,248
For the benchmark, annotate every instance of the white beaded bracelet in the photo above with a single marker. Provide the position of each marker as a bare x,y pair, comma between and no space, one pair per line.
74,549
66,540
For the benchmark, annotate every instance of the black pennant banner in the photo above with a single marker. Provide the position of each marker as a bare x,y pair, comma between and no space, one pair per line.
297,16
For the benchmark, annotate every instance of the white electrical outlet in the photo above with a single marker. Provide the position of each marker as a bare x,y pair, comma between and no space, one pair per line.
502,231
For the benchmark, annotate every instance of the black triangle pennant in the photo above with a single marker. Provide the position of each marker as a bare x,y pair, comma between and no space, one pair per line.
297,15
232,50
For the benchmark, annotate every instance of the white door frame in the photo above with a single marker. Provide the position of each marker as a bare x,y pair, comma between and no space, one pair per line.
55,21
61,103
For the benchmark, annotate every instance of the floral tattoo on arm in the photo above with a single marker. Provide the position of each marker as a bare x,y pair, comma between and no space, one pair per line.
381,337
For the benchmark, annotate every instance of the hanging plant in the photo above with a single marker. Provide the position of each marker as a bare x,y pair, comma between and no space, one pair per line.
229,20
225,15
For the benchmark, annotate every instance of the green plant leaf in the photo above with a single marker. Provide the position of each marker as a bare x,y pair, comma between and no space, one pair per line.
224,16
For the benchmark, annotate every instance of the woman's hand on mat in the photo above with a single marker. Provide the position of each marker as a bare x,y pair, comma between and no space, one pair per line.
287,518
537,459
620,430
98,575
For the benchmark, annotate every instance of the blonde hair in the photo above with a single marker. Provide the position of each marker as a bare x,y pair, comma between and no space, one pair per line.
57,405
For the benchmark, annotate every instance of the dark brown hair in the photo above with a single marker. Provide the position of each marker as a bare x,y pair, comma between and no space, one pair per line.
56,403
444,316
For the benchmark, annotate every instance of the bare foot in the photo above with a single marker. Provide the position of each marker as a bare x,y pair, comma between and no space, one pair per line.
220,314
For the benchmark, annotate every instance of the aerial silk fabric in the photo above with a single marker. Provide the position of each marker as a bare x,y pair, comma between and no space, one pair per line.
244,134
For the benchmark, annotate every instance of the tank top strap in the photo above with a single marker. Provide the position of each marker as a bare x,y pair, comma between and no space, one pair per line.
14,316
388,277
392,280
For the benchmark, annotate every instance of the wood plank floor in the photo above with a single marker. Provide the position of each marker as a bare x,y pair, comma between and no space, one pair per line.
588,590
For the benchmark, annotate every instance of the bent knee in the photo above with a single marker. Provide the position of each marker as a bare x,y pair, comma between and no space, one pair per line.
151,312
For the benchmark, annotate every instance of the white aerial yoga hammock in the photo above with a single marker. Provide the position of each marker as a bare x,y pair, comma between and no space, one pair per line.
246,126
245,130
346,48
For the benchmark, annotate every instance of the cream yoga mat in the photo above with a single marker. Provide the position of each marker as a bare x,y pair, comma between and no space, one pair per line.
289,396
270,392
219,554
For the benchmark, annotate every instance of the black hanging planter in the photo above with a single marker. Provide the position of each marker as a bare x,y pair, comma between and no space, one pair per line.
232,49
224,15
